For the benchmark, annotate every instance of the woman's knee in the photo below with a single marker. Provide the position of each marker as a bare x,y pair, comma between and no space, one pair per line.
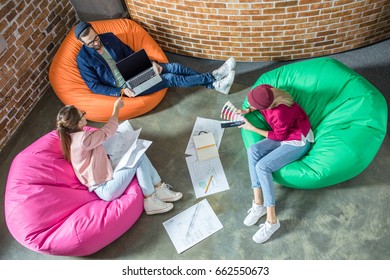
263,167
257,148
251,152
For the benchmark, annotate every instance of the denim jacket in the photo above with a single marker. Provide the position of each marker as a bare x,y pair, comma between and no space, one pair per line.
94,69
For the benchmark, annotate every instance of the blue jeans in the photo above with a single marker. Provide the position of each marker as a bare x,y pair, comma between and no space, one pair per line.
267,156
146,174
177,75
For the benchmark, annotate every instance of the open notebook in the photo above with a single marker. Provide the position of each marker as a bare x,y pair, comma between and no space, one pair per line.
205,146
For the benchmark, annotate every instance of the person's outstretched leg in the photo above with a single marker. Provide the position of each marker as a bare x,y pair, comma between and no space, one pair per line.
163,190
255,153
147,175
179,69
268,164
156,192
177,75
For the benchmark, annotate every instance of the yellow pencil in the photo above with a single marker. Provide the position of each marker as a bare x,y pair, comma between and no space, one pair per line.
208,184
207,146
122,91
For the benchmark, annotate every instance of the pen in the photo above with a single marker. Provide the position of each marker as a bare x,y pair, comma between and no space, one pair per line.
208,184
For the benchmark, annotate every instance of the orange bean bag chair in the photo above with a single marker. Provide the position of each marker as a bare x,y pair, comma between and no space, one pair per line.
71,89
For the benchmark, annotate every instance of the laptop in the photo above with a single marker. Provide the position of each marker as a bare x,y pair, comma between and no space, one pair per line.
138,72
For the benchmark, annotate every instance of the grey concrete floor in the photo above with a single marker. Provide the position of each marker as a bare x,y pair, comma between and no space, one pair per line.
348,221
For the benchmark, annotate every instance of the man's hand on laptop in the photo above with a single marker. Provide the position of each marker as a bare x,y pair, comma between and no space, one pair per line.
128,92
157,67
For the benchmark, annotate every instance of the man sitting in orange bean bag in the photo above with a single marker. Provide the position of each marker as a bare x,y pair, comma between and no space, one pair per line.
100,52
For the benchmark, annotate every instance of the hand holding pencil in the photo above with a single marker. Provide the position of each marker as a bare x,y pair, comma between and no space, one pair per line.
127,92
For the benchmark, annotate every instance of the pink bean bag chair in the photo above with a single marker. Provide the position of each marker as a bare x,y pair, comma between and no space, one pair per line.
48,211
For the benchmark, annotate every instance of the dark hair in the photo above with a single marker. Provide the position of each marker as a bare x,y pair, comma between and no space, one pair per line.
67,122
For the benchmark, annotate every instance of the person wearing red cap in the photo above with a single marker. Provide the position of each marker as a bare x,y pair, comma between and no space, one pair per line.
289,138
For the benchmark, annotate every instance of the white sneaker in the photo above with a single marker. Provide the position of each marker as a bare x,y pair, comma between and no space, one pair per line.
265,232
153,205
254,214
225,69
226,83
164,193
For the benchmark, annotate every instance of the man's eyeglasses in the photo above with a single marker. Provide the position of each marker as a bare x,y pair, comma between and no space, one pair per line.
90,44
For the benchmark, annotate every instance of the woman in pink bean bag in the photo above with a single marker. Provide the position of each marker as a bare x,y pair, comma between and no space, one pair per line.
49,211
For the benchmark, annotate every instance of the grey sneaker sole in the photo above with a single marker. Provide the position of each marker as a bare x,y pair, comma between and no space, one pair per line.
172,199
160,211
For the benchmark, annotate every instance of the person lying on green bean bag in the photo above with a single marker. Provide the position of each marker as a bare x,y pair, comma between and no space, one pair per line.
348,116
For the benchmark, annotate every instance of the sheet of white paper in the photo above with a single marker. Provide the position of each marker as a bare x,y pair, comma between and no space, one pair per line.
123,130
125,127
192,226
205,125
124,148
131,157
200,173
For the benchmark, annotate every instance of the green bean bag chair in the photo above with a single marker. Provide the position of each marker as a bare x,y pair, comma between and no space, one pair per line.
348,116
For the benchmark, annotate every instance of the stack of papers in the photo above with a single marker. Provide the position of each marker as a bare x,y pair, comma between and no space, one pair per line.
125,148
202,166
208,177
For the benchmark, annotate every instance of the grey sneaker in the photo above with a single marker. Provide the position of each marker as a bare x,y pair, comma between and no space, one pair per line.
226,83
265,232
153,205
225,69
164,193
254,214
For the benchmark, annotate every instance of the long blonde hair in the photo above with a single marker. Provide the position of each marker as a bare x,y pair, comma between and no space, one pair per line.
68,119
281,97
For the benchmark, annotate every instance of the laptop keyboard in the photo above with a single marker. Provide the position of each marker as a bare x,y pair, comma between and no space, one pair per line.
142,78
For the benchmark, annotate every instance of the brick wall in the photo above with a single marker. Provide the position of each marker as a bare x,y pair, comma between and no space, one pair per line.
31,32
262,30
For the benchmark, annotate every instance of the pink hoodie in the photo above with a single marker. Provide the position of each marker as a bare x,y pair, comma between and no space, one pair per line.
88,157
287,123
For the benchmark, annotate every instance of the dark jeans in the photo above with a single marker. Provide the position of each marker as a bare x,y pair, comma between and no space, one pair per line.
177,75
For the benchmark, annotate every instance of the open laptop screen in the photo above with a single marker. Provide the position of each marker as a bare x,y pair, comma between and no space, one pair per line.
134,64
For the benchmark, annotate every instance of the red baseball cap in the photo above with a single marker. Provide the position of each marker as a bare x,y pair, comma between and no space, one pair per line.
261,97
